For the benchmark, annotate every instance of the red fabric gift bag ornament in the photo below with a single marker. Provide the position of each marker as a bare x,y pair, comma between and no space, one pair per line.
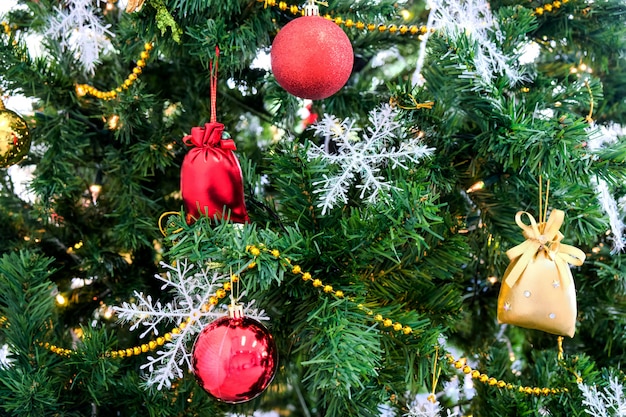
211,180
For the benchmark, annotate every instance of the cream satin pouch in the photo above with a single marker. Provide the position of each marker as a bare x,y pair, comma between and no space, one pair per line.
538,290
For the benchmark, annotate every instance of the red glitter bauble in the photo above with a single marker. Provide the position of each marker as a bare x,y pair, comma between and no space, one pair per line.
312,57
234,359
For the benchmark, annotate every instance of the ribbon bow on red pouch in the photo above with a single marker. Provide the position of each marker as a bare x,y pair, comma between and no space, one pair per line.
209,136
211,180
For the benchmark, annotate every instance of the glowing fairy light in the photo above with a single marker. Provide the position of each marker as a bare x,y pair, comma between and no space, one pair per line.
61,300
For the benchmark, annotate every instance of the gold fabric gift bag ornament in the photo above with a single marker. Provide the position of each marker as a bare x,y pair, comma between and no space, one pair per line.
538,290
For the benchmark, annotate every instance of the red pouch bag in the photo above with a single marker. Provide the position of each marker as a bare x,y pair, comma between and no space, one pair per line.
211,181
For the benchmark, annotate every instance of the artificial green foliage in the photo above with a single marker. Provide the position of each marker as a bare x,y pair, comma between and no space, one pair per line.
429,256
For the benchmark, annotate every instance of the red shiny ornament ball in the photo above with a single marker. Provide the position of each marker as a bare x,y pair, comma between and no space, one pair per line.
234,359
312,57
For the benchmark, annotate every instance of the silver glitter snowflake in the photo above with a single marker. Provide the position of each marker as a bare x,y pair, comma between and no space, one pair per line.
362,158
192,285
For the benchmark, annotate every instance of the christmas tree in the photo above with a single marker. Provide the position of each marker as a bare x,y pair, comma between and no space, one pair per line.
391,208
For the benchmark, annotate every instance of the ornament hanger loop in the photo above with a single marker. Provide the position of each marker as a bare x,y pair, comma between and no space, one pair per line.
312,8
161,228
543,212
395,102
213,79
436,373
235,309
589,117
234,285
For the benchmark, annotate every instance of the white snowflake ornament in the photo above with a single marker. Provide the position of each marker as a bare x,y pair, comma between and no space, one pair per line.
428,406
473,19
193,286
599,137
607,402
362,157
81,31
6,361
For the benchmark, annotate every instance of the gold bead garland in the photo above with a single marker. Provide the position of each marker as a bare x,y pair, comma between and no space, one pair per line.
460,364
391,28
549,7
7,28
349,23
328,289
160,341
86,89
58,350
387,323
151,345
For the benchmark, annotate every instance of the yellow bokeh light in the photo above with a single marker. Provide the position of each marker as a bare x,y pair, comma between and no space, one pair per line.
61,300
406,14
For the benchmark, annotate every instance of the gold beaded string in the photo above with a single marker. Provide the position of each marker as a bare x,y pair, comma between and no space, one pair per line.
349,23
153,344
391,28
7,28
86,89
460,364
549,7
255,251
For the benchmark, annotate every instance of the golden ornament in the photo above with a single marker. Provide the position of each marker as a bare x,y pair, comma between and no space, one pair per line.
14,137
134,5
538,289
